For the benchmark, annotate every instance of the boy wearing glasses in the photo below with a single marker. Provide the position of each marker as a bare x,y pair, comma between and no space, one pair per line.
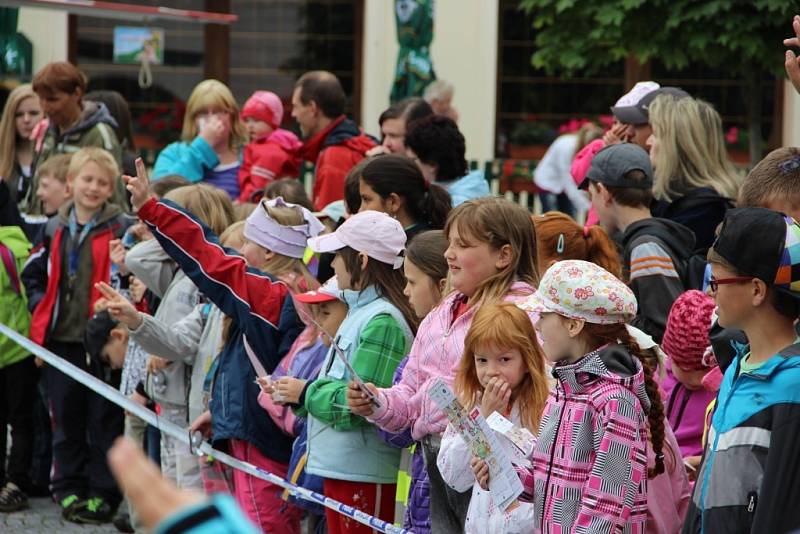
751,469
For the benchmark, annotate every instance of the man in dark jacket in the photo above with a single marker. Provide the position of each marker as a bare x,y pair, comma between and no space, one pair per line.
654,250
332,141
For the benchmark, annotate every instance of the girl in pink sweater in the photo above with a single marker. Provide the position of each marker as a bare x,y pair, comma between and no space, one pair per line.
491,257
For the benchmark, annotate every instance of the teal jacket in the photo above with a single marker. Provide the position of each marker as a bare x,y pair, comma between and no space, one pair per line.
13,302
190,160
340,445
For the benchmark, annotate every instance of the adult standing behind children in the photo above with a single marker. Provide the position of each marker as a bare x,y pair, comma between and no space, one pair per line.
438,147
750,470
118,108
394,122
21,113
211,138
74,123
59,281
272,153
695,182
333,142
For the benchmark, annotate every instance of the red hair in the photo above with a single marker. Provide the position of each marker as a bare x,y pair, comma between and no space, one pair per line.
559,237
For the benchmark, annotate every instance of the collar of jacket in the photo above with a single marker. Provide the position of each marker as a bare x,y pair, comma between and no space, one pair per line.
358,299
314,146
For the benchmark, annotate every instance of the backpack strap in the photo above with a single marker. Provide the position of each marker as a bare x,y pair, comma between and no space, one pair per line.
11,267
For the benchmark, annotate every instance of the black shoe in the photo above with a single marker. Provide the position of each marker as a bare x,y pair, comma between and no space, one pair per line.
93,511
123,523
69,504
12,498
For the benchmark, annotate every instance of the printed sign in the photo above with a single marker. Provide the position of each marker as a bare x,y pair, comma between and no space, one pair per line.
134,45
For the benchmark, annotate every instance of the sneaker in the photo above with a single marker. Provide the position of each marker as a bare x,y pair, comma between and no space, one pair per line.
12,498
94,511
68,505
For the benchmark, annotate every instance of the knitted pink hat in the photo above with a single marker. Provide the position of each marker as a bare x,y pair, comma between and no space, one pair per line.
686,337
264,106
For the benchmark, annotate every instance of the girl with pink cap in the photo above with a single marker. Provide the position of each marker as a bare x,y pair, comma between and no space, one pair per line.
272,152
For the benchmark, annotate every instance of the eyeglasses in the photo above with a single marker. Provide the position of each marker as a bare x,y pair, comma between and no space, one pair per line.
714,283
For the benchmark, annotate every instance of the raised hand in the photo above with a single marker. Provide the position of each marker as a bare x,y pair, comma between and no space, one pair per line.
139,186
358,401
792,63
496,396
119,307
214,131
117,253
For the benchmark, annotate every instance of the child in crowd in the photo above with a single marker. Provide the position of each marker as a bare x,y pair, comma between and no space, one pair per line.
262,327
686,344
356,466
773,183
559,237
106,341
502,371
18,375
171,375
59,280
272,153
590,470
52,193
750,467
620,183
492,257
426,281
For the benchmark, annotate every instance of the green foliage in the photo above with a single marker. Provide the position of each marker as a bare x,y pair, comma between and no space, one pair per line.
580,38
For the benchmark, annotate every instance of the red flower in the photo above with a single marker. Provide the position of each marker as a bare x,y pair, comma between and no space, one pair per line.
600,311
583,293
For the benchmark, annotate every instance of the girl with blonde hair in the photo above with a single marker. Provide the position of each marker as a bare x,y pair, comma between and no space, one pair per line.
211,140
21,113
695,182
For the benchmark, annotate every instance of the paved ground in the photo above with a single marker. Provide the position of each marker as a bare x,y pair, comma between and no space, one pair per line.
45,517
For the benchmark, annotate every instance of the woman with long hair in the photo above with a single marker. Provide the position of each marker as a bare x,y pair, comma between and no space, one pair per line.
211,140
695,182
20,115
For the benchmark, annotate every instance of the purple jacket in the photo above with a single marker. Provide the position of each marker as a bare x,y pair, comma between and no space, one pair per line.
685,410
418,509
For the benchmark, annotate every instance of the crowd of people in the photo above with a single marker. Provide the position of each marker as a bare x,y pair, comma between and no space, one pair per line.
647,358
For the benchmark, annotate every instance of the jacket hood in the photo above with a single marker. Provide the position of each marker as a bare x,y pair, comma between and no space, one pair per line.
676,236
342,131
107,212
286,140
14,238
93,114
612,363
471,185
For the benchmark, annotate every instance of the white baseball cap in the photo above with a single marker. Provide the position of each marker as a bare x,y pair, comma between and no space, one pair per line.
374,233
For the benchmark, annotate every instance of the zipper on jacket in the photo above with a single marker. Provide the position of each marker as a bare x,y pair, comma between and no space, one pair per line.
752,501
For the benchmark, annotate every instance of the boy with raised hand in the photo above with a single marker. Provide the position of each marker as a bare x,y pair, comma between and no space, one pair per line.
654,250
751,471
59,280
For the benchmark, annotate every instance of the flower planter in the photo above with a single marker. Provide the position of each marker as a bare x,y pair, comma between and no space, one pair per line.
532,152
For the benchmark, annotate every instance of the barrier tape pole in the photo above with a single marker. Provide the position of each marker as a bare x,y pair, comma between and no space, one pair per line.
183,435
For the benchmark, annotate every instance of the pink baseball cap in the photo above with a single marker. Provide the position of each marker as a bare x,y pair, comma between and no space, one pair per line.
327,292
374,233
264,106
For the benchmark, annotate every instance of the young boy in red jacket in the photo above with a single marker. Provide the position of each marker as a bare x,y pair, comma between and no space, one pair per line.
59,281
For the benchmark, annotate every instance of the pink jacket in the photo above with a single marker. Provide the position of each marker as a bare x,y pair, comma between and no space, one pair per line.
580,167
667,494
589,465
436,353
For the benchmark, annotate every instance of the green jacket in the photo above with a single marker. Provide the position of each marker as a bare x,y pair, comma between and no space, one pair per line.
13,303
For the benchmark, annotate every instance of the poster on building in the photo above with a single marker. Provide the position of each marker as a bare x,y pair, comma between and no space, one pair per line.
134,45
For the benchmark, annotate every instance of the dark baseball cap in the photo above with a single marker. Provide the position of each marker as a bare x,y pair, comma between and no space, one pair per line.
612,163
764,244
98,331
639,113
